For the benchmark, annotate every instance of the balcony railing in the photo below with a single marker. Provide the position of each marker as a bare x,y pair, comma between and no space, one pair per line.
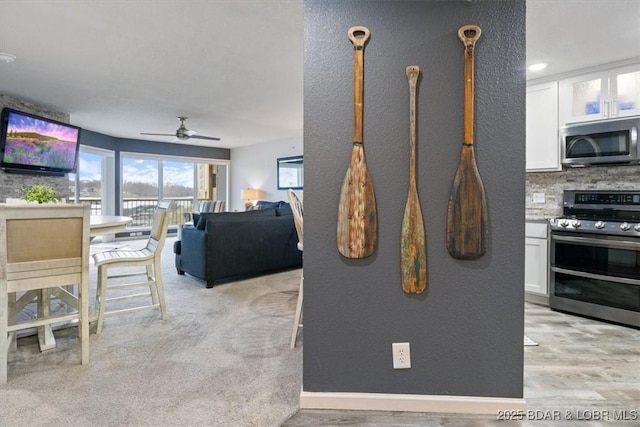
142,209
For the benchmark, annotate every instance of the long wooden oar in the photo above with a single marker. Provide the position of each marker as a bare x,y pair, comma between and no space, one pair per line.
467,212
357,231
413,248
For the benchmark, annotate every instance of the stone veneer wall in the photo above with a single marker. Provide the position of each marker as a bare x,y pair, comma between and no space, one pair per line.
552,184
12,183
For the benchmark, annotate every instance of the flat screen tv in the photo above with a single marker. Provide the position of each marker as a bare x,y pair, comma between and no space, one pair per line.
33,144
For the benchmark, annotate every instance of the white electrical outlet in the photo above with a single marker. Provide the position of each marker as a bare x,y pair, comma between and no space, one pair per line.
401,355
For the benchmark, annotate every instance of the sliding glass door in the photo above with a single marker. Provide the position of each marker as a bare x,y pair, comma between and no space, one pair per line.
146,179
139,189
94,181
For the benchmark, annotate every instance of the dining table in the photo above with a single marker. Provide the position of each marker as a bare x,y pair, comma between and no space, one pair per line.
108,224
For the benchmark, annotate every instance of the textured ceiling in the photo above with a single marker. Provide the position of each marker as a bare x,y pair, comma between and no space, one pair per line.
233,67
576,34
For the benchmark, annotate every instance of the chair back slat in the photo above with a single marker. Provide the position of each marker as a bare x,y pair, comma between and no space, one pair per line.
298,211
160,225
152,245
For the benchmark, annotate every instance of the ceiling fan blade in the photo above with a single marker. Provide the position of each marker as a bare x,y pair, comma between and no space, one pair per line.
211,138
158,134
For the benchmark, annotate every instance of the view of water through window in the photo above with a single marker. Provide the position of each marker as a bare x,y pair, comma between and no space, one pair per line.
144,181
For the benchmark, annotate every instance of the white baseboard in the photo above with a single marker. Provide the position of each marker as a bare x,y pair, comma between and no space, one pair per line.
410,403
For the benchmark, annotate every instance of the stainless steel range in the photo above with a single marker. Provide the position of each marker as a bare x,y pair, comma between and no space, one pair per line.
595,256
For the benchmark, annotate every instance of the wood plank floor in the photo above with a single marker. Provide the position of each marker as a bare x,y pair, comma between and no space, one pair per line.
582,372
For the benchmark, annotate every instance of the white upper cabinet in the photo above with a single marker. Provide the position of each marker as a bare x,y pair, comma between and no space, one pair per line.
604,95
543,148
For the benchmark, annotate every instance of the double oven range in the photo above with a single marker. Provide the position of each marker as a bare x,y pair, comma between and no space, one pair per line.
595,256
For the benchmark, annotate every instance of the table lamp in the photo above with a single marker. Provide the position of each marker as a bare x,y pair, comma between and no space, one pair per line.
250,195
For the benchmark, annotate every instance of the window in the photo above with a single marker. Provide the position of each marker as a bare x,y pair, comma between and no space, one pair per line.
93,182
146,179
178,184
139,189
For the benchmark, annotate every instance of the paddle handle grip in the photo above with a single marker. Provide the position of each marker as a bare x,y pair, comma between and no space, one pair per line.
358,36
413,72
469,35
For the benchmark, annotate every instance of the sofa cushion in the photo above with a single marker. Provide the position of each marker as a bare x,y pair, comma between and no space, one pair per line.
284,211
231,216
196,217
263,204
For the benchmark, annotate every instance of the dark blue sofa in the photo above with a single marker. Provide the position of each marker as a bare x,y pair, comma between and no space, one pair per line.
227,246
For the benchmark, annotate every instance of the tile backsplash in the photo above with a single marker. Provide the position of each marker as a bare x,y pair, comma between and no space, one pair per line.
552,184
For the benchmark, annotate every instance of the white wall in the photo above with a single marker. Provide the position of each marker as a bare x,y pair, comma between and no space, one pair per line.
254,166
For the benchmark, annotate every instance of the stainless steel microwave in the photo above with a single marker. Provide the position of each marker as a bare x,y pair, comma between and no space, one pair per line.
602,142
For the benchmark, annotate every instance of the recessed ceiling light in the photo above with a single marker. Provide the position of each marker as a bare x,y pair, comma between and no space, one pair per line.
537,67
7,57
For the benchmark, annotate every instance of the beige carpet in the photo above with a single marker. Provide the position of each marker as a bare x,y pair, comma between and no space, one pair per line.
222,359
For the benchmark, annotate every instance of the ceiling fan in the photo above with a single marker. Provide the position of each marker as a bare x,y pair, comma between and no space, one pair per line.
182,133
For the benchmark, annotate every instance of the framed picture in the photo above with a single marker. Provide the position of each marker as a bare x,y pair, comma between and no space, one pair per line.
290,173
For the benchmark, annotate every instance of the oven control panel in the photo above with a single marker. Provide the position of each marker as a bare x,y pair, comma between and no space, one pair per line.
607,204
615,213
607,198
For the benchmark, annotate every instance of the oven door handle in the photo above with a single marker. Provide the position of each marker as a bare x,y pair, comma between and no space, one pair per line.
596,276
617,244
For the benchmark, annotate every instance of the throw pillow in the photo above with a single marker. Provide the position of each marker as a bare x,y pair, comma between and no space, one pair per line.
267,205
226,216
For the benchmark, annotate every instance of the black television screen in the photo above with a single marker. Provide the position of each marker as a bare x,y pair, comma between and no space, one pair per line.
36,144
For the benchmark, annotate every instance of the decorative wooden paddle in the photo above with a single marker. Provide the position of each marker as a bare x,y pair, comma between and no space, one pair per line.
357,216
467,212
413,249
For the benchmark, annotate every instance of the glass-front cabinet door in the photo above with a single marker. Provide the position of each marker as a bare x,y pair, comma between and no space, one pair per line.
582,98
625,89
605,95
587,98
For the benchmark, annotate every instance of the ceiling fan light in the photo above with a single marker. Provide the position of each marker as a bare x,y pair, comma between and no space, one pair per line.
182,133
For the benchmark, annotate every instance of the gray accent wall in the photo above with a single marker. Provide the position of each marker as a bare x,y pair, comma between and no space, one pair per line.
466,330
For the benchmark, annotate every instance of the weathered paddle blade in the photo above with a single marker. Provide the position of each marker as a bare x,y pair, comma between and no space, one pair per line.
467,210
413,248
357,230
